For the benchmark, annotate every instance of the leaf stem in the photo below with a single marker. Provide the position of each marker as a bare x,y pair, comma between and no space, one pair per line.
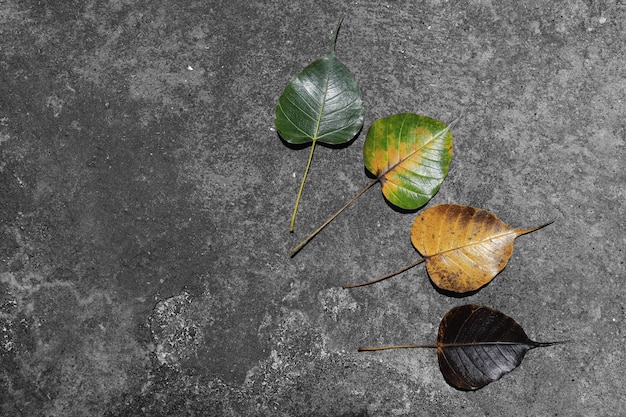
399,271
372,349
297,248
306,172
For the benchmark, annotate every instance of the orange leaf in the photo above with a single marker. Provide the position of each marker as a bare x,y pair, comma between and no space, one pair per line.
464,247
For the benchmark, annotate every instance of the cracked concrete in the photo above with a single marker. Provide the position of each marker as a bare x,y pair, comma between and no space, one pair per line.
145,204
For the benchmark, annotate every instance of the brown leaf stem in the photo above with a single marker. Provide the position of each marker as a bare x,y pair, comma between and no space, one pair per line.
372,349
399,271
297,248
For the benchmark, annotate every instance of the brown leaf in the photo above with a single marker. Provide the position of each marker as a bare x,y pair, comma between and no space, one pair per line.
464,247
476,345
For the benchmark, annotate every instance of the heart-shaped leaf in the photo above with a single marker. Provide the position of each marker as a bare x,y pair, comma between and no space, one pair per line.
477,345
321,104
410,154
464,247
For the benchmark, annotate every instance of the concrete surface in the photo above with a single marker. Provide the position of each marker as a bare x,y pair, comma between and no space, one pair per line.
145,204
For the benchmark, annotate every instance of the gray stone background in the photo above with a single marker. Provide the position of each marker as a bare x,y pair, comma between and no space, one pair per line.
145,201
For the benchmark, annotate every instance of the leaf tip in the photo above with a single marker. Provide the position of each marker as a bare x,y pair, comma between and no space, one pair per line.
335,36
526,231
546,344
457,120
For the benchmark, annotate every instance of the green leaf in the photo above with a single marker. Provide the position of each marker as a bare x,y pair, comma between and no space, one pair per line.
410,155
321,104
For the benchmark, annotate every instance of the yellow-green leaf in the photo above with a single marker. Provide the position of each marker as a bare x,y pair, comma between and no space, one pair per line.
410,154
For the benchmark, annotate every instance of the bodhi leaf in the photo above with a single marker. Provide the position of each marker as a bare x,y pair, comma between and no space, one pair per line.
321,104
476,345
463,247
410,155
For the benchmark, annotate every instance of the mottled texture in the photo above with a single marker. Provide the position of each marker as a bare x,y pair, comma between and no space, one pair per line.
145,201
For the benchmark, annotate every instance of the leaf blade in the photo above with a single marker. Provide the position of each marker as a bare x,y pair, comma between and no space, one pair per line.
464,247
410,154
477,345
322,103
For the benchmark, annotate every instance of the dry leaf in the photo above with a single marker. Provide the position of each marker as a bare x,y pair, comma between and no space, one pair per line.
476,345
463,247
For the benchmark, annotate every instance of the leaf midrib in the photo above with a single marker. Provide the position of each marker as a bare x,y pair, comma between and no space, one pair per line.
323,104
488,343
478,242
435,137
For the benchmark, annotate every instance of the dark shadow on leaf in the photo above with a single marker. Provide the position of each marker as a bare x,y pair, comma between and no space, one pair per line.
341,145
368,174
400,209
299,146
293,146
453,294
